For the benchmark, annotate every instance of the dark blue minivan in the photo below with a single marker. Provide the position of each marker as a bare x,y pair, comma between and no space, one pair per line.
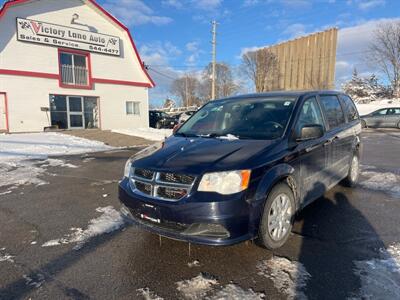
241,168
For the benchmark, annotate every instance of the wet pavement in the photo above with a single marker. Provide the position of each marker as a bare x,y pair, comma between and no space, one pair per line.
97,254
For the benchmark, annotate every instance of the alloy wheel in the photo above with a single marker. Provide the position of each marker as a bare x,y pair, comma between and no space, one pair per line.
279,217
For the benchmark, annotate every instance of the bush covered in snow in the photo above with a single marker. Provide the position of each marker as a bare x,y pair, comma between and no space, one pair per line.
366,89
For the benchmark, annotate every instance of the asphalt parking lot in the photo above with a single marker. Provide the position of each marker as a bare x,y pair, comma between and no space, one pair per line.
67,240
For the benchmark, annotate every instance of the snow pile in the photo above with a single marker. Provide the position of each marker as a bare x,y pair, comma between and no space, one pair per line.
28,172
234,292
109,221
146,133
149,295
5,256
194,263
16,147
51,162
288,277
21,173
381,181
197,287
380,276
18,152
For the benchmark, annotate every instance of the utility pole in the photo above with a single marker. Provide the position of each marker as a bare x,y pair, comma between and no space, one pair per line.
186,90
214,54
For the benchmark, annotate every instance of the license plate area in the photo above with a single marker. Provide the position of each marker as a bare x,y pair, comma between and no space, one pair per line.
150,213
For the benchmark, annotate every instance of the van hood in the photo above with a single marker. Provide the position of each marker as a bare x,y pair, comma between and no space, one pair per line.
199,155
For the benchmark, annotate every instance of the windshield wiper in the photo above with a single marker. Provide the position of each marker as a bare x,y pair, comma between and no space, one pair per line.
185,134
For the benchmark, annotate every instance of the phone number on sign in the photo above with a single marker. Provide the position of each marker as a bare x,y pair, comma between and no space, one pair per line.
105,50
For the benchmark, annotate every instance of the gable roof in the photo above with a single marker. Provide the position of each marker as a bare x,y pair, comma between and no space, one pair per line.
11,3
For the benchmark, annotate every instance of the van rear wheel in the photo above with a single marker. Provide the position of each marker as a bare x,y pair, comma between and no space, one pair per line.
277,219
354,172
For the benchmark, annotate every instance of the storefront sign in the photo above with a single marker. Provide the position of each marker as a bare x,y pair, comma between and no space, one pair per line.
62,36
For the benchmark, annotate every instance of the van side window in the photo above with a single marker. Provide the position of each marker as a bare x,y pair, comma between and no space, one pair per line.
333,110
350,108
310,114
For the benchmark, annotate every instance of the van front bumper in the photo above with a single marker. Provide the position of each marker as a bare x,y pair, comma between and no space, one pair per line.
201,218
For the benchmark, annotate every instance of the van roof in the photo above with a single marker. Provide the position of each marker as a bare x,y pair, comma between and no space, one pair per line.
281,93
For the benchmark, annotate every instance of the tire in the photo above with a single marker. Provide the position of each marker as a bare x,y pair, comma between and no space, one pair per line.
158,125
354,172
269,237
363,124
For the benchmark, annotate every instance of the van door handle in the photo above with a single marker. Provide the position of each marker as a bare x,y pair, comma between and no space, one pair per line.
329,141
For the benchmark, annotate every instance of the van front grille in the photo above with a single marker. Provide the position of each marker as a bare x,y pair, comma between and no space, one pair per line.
143,187
161,185
176,178
144,173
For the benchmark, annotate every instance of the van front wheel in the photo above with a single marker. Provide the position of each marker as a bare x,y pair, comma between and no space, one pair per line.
277,219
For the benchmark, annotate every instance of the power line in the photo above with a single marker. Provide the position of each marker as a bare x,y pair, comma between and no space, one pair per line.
160,73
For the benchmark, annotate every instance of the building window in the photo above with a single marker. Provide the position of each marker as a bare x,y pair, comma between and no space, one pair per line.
132,108
74,69
74,112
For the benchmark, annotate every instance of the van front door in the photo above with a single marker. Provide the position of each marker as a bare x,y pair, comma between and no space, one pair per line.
75,112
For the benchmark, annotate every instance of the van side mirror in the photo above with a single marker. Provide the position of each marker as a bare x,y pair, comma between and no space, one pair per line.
310,132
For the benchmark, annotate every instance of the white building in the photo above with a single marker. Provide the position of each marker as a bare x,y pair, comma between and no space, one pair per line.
70,64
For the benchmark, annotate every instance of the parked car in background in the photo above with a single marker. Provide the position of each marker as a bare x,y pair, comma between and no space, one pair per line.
385,117
159,119
241,168
185,115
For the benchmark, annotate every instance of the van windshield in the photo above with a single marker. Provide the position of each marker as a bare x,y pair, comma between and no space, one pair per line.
252,118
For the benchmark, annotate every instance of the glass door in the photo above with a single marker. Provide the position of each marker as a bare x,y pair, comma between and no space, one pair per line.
75,112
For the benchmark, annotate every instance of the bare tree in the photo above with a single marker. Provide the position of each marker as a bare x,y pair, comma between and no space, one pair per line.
186,88
225,83
262,68
384,52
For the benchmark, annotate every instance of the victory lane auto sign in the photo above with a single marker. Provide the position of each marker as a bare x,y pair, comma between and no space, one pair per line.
62,36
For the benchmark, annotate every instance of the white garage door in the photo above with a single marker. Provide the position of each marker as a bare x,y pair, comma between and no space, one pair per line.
3,125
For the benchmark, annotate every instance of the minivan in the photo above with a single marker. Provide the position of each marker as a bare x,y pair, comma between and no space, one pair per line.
242,167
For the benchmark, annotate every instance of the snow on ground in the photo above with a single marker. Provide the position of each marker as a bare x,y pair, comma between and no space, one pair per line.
387,182
197,287
204,286
25,157
289,277
149,295
4,256
235,292
146,133
16,147
380,277
194,263
24,172
364,109
109,221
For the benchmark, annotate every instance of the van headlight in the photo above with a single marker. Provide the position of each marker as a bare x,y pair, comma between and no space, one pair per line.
225,183
127,169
